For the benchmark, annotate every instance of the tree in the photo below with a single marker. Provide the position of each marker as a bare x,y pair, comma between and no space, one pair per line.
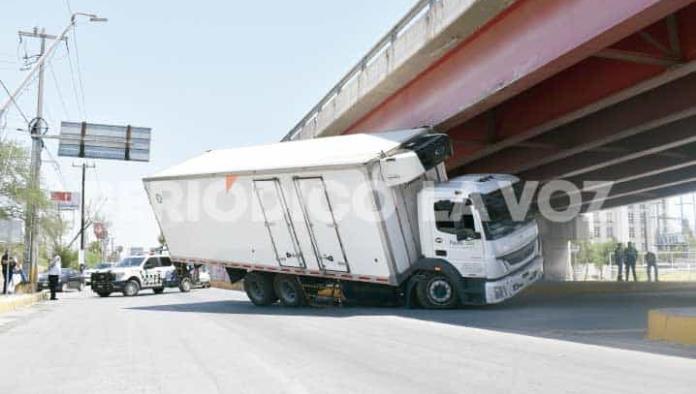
16,194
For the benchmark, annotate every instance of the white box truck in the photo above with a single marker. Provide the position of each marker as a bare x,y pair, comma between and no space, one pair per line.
360,217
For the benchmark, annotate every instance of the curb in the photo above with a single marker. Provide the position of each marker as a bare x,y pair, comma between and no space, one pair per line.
575,288
21,301
672,325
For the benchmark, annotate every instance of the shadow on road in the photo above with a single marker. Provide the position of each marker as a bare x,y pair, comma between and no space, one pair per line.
615,320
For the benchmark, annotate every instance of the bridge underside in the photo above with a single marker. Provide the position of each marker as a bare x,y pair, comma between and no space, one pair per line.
619,105
580,90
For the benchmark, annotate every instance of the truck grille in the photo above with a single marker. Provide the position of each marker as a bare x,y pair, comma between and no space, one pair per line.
521,254
102,277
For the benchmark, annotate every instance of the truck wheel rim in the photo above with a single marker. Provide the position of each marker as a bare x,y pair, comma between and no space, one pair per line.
256,290
288,291
440,291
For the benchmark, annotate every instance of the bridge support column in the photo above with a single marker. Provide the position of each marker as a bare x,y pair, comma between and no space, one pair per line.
555,239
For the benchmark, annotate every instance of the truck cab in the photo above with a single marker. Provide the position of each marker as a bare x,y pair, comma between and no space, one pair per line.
466,223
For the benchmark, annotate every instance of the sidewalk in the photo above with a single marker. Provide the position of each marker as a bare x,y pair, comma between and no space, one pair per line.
12,302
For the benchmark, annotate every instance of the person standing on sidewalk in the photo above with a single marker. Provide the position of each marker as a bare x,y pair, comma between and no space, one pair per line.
651,265
54,271
619,260
631,257
7,271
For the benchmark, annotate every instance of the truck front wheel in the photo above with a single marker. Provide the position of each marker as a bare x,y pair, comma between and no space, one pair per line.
437,291
259,289
289,291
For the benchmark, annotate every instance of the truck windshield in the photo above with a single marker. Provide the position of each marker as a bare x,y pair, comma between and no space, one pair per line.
501,222
131,262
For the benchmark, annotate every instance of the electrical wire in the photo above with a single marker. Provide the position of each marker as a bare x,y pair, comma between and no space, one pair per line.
79,70
58,91
19,109
74,84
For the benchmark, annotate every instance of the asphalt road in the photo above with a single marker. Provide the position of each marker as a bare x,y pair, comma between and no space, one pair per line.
211,341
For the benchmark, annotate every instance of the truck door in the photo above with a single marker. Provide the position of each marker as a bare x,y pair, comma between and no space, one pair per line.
152,274
278,222
321,224
456,238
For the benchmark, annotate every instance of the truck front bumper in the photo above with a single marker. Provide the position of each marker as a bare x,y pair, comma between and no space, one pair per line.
504,288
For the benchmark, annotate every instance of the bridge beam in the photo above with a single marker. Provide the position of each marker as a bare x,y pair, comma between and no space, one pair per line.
639,115
506,58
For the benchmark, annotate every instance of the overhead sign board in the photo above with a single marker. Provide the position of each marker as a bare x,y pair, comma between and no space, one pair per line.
66,200
99,141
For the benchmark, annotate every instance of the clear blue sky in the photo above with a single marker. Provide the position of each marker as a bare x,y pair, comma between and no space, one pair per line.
203,74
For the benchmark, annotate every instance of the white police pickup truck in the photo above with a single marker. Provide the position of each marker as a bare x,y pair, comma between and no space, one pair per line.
135,273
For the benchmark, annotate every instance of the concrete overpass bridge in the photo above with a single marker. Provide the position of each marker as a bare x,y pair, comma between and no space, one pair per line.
573,89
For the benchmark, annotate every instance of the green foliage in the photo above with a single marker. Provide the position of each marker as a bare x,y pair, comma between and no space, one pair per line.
15,189
597,253
68,256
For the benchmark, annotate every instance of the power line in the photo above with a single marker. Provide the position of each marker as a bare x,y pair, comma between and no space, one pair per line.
79,71
14,101
60,94
74,85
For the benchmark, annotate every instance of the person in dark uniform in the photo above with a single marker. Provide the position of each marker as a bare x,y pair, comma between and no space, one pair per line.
651,265
7,271
630,258
619,260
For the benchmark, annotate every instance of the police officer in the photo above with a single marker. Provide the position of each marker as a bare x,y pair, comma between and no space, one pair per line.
651,264
54,271
619,260
630,258
7,271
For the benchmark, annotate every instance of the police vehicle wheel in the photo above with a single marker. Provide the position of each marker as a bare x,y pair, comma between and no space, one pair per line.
259,289
131,288
158,290
185,285
289,291
437,292
104,293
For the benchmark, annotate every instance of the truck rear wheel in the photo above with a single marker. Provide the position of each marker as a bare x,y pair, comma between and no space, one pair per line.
131,288
289,291
437,291
259,289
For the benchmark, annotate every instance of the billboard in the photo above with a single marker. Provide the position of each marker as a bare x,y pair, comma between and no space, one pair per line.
66,201
99,141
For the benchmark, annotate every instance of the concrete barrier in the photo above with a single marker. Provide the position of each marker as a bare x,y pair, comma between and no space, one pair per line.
676,325
13,302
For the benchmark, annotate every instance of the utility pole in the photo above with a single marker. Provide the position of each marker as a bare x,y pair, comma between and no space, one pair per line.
37,128
81,255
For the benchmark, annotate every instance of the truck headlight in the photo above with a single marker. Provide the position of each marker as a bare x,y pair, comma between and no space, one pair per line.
119,275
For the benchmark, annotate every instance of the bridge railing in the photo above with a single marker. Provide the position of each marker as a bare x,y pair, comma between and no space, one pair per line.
418,11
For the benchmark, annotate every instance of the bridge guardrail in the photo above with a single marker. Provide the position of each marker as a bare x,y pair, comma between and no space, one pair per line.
419,10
